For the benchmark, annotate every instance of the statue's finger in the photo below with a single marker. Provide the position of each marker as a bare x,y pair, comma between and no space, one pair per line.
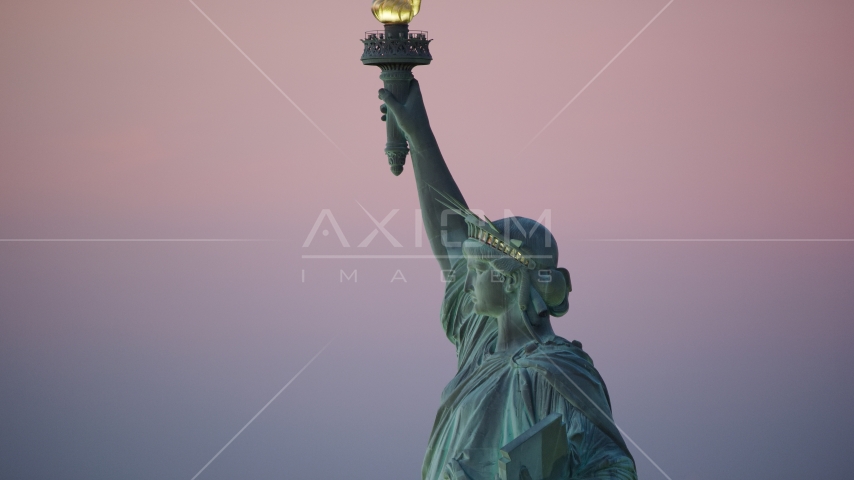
388,97
383,118
383,108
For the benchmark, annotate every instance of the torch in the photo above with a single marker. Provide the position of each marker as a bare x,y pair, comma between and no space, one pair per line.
396,50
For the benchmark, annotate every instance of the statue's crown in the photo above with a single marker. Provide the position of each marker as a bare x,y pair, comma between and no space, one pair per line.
484,231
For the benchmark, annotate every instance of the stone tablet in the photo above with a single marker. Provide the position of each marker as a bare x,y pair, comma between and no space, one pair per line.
537,454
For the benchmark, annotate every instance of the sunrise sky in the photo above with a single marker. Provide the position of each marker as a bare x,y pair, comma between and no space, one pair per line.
722,136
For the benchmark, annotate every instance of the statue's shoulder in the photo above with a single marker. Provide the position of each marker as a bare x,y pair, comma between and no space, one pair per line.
573,346
557,349
569,370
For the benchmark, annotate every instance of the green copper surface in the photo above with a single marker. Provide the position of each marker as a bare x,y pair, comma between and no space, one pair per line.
524,403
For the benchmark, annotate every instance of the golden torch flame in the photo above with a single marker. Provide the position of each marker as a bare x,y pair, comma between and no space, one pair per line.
395,11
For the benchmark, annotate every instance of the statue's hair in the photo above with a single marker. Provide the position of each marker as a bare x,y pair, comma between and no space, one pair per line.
542,291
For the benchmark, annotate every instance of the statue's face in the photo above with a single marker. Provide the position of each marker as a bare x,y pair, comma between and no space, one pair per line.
486,287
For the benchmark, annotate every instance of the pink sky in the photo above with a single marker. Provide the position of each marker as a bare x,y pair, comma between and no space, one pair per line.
723,120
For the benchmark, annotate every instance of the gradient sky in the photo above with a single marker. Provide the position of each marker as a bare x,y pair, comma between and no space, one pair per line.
139,120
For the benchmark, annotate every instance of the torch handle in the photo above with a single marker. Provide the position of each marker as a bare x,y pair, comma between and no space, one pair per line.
396,82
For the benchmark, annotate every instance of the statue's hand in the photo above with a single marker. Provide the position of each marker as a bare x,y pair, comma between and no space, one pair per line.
411,116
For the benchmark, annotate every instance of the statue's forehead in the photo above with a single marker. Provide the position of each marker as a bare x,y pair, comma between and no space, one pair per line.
472,261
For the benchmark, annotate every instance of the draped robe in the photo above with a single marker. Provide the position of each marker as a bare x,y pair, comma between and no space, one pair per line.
495,397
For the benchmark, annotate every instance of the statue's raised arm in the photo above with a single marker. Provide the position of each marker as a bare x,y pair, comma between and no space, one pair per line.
446,232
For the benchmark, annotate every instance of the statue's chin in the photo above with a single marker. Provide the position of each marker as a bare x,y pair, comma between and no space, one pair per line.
478,309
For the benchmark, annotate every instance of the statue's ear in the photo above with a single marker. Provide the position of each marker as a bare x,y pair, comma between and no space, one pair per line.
511,282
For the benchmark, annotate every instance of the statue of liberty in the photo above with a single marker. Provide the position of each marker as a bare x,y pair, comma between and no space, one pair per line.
514,374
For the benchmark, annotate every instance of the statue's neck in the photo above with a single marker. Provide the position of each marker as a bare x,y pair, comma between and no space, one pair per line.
513,332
